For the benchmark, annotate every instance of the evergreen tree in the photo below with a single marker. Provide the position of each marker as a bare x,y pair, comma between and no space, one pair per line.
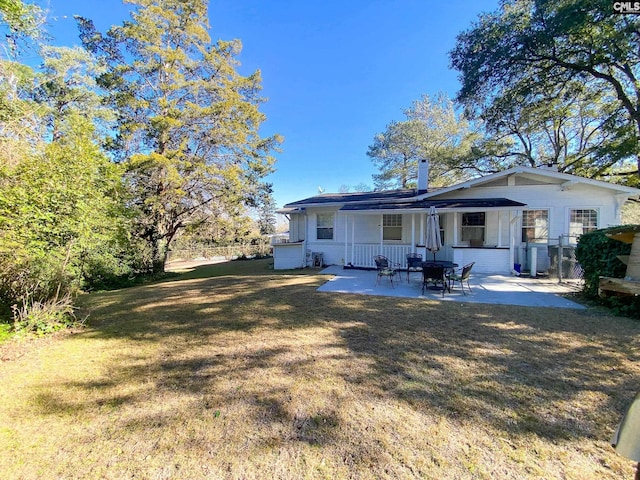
187,120
267,213
432,130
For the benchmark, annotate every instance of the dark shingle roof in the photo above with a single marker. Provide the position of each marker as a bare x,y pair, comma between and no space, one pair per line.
424,204
327,198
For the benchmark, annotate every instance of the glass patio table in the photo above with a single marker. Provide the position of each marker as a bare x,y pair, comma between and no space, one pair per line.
446,264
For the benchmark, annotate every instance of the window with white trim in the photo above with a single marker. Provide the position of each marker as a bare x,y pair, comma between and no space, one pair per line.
535,226
583,221
392,227
473,224
324,226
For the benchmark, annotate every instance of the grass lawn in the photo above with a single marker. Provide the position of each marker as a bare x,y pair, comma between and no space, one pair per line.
234,371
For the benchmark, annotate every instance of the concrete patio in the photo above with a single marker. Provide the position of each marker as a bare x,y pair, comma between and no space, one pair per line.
492,289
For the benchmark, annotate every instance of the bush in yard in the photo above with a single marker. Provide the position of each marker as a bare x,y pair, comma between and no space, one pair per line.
61,218
598,257
42,317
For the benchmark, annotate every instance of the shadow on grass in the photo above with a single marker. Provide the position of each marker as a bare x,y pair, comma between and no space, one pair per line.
223,334
559,376
238,268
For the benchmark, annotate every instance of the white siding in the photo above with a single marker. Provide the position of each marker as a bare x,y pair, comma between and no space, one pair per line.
288,255
556,200
487,260
364,228
296,227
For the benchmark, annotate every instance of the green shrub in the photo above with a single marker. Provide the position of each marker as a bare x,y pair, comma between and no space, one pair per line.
42,317
5,331
34,275
598,257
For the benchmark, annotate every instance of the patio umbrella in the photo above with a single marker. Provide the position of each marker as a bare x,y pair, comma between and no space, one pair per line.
626,439
433,242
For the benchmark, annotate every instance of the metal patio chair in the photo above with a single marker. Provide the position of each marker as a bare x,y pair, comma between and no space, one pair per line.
434,274
461,276
385,269
414,263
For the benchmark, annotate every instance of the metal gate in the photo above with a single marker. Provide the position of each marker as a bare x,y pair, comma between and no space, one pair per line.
563,263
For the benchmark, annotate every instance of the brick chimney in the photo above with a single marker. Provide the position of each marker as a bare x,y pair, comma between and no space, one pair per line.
423,175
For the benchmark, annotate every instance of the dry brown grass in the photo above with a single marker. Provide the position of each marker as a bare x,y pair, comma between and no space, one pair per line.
257,375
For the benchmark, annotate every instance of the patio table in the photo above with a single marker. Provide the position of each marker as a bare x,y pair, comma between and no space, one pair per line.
449,268
446,264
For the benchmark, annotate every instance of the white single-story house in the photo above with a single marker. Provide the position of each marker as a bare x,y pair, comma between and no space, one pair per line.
498,221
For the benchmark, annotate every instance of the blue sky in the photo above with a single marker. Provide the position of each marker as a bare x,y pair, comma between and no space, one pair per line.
335,72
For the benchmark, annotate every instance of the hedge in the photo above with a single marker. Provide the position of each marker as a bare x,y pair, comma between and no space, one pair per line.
598,257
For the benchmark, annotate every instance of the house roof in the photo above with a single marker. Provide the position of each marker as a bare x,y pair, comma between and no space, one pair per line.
333,198
440,204
413,199
565,180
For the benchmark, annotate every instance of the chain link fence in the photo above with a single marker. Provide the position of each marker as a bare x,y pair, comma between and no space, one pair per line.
219,253
563,263
557,259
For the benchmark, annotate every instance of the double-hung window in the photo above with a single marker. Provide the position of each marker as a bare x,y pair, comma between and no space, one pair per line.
582,221
473,224
392,227
535,226
324,226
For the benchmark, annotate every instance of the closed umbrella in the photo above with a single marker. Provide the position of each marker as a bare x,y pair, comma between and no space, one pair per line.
433,241
626,438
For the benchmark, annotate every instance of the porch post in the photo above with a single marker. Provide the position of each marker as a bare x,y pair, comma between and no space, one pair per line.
306,239
455,228
353,238
413,232
500,229
346,239
512,242
381,234
423,240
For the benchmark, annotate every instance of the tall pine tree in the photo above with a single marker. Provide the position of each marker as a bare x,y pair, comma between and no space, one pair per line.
188,121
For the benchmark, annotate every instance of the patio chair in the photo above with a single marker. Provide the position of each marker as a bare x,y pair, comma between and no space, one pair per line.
385,269
461,276
414,263
434,274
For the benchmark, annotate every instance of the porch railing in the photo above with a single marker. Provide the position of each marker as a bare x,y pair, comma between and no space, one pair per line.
362,254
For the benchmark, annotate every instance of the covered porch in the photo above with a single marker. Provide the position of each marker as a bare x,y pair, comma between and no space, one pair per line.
472,230
488,259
